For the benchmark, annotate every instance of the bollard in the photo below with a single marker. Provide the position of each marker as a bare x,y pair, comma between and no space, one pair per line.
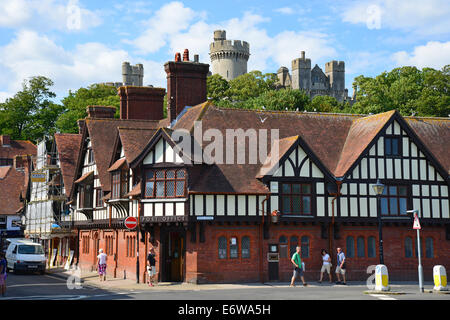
440,278
381,278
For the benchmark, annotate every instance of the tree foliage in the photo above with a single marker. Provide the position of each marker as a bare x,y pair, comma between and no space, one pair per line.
407,89
76,102
30,114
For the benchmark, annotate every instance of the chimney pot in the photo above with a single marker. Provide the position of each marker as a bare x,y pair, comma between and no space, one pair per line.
186,55
195,57
101,112
177,57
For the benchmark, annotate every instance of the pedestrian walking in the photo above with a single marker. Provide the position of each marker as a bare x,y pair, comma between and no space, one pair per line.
326,265
151,266
3,273
340,268
101,263
298,268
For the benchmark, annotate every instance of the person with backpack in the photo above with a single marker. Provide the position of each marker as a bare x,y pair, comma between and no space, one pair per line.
340,269
298,268
151,268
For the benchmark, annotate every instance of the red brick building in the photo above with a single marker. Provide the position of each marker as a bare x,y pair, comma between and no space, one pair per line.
240,222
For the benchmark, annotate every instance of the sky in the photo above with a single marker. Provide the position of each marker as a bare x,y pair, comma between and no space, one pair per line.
80,42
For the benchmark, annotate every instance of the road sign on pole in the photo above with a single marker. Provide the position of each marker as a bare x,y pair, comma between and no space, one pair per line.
130,223
416,225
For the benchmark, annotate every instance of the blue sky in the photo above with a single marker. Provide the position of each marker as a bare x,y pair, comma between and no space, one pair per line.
46,37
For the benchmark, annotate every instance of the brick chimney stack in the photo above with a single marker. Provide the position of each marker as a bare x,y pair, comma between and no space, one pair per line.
101,112
143,103
5,140
186,84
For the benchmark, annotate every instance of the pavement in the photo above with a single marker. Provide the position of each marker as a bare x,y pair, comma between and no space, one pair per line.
59,284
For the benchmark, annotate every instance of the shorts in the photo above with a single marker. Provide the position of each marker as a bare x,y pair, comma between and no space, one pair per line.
3,279
297,273
326,267
102,269
339,270
152,271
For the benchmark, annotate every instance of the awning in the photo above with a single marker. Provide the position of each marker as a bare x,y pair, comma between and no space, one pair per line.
116,165
85,178
135,191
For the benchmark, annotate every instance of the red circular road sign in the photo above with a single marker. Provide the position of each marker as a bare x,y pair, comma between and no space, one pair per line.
130,222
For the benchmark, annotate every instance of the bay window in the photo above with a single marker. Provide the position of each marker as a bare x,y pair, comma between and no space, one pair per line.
166,183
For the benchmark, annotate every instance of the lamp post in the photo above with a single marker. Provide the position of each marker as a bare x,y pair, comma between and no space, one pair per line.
379,188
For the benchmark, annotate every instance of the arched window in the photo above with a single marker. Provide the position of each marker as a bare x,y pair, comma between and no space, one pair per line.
429,250
350,247
408,247
360,246
371,251
222,248
234,248
283,246
245,247
293,246
305,247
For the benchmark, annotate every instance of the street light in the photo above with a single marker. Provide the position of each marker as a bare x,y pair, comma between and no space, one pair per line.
379,188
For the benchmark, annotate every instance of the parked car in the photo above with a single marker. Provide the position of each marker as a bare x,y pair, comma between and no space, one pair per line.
25,255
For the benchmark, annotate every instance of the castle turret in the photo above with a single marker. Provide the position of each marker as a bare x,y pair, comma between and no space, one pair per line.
228,58
132,75
335,71
301,73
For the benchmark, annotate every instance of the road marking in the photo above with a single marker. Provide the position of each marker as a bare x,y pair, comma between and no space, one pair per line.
36,284
55,297
382,297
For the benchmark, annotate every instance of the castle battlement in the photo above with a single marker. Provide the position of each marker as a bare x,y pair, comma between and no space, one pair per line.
335,66
230,45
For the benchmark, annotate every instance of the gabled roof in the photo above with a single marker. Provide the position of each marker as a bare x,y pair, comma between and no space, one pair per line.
13,185
102,133
362,132
117,165
134,140
284,145
68,146
88,176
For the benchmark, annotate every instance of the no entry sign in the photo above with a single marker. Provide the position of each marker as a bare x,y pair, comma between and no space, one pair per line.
130,223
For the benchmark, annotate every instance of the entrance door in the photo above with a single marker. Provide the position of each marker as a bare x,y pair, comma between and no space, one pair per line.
173,256
273,258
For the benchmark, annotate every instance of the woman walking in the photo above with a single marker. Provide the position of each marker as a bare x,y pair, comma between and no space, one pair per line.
101,262
326,265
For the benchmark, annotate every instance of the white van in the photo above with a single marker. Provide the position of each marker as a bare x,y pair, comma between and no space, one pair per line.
25,255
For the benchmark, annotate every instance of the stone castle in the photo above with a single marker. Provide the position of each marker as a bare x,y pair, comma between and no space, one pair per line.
228,58
314,81
131,76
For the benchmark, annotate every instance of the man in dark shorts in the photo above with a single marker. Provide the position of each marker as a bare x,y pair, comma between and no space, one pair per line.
151,266
298,268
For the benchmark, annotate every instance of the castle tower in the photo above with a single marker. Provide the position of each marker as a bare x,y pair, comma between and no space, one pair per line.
301,73
132,75
335,71
228,58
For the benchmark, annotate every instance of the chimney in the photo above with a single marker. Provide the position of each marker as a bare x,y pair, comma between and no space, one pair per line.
81,124
101,112
143,103
5,140
186,84
186,55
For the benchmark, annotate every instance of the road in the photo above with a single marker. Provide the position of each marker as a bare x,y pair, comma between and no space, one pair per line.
50,287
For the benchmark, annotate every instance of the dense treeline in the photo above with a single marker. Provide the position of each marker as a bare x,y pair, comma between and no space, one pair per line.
32,113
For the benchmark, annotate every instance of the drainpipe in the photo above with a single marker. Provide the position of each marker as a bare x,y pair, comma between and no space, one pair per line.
110,215
261,235
116,257
331,229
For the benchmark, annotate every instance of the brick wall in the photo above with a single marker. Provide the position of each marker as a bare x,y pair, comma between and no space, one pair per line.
202,263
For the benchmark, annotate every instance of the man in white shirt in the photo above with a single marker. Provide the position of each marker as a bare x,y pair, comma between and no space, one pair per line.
101,262
326,265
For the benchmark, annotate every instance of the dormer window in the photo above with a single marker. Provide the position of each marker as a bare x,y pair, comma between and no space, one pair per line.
392,146
169,183
119,184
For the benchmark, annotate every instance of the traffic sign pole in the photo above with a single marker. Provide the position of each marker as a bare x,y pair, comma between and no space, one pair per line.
419,254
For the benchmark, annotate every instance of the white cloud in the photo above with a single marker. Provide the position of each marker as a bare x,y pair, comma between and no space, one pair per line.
434,54
422,17
30,54
47,15
285,10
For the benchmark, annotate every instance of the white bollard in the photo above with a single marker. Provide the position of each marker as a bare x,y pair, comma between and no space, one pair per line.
381,278
440,278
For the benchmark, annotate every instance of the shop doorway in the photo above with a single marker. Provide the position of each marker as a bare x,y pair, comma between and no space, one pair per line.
173,257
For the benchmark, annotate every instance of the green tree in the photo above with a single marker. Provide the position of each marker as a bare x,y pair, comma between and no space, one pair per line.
217,87
30,114
76,102
284,99
324,104
250,85
407,89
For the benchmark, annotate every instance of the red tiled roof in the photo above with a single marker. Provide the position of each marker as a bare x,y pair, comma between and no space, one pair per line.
103,133
4,171
135,191
68,146
134,140
17,147
116,165
84,177
283,146
11,187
